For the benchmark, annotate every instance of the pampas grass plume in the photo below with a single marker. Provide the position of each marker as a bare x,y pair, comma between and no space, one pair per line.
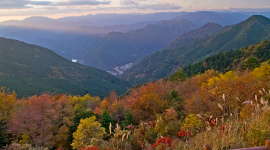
220,106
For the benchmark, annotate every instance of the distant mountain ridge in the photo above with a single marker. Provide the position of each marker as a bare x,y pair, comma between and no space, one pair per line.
28,35
165,62
200,18
116,48
98,20
115,28
30,70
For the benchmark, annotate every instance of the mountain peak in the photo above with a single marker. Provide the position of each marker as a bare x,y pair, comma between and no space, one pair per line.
206,30
259,18
37,18
211,24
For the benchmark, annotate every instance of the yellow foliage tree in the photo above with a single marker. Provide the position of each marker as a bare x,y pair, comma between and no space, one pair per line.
192,123
85,102
24,139
261,71
7,104
88,128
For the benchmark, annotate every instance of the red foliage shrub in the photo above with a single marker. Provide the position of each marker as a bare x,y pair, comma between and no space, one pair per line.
90,148
182,133
162,143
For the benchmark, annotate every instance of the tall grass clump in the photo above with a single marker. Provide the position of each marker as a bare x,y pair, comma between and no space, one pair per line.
248,127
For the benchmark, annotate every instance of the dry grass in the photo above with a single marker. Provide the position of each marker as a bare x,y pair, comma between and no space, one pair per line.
249,128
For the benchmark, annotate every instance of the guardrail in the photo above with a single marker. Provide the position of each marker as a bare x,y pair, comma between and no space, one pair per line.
266,147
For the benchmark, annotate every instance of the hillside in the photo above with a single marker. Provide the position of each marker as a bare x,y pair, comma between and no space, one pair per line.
163,63
230,60
185,38
30,70
116,48
232,108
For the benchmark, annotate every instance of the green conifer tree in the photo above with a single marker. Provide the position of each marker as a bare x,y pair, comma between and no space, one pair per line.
128,119
178,76
250,63
106,119
177,103
3,137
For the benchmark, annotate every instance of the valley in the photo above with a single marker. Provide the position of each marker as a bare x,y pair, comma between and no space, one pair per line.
167,77
111,48
119,70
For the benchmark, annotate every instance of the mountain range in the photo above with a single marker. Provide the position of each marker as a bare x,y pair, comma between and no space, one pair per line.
163,63
114,42
98,20
133,35
115,48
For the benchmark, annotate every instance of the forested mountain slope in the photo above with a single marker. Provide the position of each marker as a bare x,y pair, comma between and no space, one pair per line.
30,70
163,63
242,59
186,38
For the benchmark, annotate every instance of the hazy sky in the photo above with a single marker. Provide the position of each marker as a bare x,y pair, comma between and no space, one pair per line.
20,9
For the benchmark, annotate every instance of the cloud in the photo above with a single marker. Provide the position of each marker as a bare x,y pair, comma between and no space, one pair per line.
20,4
144,5
39,2
161,6
81,2
129,3
158,6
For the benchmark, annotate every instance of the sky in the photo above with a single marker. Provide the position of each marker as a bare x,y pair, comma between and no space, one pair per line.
21,9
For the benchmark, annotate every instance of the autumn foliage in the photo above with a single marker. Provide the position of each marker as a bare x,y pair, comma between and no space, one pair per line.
166,114
145,102
162,143
90,148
